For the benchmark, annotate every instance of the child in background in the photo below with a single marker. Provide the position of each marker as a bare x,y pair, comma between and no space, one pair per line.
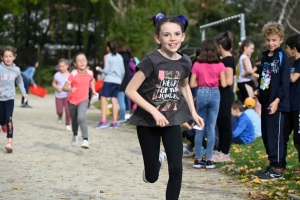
243,132
273,94
207,73
292,120
61,97
9,75
158,88
78,85
114,71
253,116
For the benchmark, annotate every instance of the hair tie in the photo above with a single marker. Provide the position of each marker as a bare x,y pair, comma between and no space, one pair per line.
182,19
158,17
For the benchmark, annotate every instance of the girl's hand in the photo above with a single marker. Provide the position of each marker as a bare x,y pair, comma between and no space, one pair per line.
160,119
199,121
98,68
34,85
58,89
25,96
73,89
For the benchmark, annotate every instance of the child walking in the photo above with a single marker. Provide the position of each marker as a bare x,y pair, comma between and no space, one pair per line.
61,97
9,75
155,88
224,43
207,72
78,85
273,94
292,120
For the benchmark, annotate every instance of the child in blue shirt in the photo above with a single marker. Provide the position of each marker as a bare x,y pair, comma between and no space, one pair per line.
243,132
291,120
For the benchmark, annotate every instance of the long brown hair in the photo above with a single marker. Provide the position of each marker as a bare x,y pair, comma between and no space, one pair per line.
209,52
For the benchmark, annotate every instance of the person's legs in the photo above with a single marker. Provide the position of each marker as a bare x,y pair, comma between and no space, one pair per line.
67,113
243,91
81,118
149,139
296,118
264,127
59,102
172,141
287,129
115,111
73,115
122,106
2,113
26,86
103,109
212,113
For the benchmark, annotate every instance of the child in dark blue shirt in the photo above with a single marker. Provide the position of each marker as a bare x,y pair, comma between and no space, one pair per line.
292,120
273,94
243,132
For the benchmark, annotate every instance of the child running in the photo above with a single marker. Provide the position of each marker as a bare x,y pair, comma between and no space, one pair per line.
9,75
78,85
156,88
207,73
61,97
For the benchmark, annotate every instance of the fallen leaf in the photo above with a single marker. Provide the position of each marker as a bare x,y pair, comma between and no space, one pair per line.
111,194
17,188
257,180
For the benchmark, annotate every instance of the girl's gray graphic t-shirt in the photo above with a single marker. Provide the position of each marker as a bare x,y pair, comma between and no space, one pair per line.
161,89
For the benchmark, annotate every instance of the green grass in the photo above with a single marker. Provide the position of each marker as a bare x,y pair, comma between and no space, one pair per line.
251,158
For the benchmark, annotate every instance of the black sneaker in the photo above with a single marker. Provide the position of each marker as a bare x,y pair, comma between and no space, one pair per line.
210,164
259,173
199,164
273,174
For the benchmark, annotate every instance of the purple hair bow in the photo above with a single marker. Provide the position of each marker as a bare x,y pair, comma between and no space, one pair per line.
159,16
182,19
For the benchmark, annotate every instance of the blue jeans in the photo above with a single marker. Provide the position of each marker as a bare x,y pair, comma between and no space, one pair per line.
122,105
208,102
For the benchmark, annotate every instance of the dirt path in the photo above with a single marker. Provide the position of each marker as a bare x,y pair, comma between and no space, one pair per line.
44,165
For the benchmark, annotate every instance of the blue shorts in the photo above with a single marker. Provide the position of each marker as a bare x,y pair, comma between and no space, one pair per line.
110,90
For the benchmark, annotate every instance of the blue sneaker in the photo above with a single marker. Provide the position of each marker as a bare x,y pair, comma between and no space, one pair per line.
113,126
101,125
121,121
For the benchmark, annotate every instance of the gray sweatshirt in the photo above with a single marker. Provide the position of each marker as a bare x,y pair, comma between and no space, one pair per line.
8,77
114,69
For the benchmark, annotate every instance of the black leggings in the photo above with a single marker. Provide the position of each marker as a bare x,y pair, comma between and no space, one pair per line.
149,138
6,113
243,90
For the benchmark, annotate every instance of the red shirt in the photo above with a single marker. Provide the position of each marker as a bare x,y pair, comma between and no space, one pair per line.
208,74
81,82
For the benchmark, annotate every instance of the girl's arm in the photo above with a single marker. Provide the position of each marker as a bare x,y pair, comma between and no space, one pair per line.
20,84
54,85
67,88
193,81
294,77
247,66
229,76
223,79
131,92
187,94
187,126
106,68
31,74
92,84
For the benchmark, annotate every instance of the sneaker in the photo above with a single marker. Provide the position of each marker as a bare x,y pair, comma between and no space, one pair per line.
3,129
85,144
187,153
210,164
144,177
9,147
101,125
199,164
75,139
127,116
59,120
68,128
113,126
258,173
121,121
271,174
162,157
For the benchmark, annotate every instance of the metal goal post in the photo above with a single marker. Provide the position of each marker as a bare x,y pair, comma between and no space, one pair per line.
241,18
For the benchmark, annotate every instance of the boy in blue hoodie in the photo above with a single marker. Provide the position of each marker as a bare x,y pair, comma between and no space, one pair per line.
292,120
243,132
273,94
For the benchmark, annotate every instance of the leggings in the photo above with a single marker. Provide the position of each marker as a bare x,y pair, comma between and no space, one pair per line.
149,138
26,86
78,116
6,112
246,89
62,103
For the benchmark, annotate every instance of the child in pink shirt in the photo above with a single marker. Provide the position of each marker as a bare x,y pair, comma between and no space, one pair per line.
78,99
207,73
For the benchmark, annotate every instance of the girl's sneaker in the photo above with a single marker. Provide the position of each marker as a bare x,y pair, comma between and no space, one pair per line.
113,126
210,164
68,128
9,147
59,120
187,153
102,125
85,144
199,164
222,157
